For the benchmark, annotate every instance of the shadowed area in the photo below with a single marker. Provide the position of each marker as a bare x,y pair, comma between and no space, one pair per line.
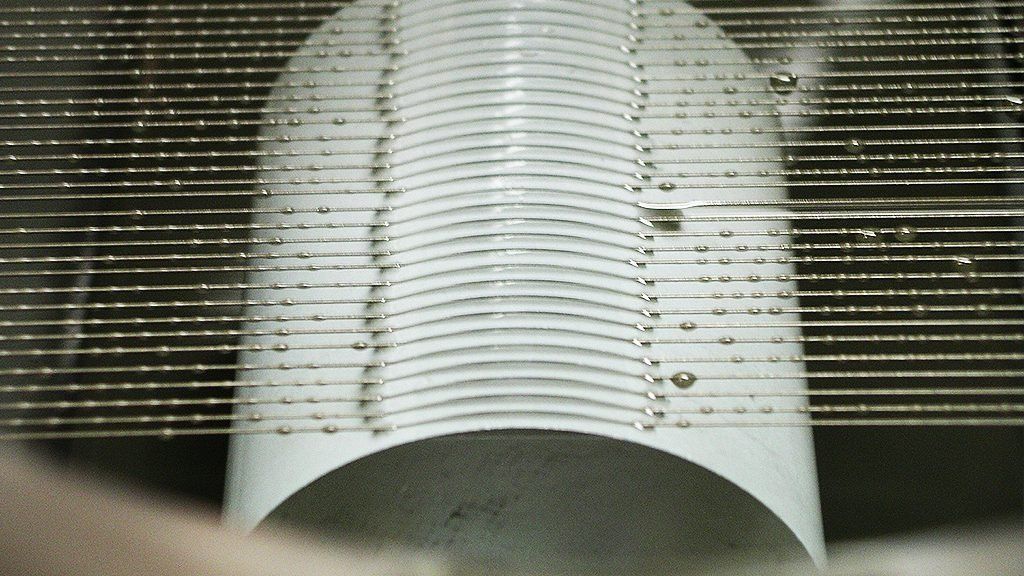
537,500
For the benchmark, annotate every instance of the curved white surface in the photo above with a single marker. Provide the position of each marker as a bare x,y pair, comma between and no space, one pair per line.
514,132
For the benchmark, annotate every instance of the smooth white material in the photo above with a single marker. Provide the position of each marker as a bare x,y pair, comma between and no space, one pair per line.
517,131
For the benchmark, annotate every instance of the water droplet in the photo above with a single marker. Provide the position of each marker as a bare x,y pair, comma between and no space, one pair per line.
905,234
854,146
783,82
654,412
683,379
866,234
964,261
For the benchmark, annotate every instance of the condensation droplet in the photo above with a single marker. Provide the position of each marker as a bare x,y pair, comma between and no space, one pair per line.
964,261
783,82
905,234
683,379
853,146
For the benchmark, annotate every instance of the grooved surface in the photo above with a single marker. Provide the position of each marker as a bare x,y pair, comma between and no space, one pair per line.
511,261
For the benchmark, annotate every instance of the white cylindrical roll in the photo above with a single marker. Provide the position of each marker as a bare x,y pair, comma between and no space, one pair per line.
497,320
